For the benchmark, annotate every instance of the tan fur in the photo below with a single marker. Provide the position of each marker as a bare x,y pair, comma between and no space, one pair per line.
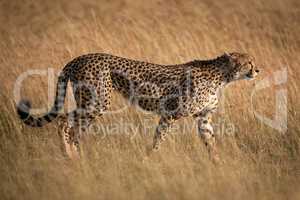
171,91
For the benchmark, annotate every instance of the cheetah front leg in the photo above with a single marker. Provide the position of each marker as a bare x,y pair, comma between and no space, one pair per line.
206,133
161,132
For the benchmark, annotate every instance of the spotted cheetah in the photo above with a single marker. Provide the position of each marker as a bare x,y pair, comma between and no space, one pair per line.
171,91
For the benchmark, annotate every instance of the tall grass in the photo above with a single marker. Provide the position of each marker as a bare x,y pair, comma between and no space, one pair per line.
260,162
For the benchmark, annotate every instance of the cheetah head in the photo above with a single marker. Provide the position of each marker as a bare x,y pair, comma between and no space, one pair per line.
241,66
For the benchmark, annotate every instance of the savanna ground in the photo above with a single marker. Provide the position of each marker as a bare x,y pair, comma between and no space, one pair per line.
261,162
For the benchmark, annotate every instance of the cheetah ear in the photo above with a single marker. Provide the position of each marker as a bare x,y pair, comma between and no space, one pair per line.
226,55
229,57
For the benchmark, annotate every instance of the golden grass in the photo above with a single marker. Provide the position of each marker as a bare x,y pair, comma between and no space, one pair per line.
261,163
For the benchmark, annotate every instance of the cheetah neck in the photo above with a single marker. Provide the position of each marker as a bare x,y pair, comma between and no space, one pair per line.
223,66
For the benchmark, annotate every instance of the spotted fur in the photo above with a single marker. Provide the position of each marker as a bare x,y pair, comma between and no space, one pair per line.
171,91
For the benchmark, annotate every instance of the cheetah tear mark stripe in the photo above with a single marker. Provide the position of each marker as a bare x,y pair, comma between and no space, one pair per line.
23,107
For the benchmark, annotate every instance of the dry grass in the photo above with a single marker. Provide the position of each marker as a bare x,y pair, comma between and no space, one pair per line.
261,163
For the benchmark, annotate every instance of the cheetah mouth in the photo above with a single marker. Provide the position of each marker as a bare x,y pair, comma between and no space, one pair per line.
251,75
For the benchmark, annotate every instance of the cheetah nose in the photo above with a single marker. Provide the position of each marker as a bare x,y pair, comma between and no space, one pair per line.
256,70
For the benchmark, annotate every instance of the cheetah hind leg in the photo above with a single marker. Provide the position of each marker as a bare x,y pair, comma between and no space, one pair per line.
77,122
70,139
73,129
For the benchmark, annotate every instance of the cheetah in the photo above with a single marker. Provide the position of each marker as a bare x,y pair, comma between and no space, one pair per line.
170,91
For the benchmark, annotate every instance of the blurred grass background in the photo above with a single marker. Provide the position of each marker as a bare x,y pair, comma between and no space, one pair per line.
261,163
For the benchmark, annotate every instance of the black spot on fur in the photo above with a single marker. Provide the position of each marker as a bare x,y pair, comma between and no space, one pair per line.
48,118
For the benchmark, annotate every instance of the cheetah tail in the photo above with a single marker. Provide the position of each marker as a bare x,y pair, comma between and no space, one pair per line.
23,107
